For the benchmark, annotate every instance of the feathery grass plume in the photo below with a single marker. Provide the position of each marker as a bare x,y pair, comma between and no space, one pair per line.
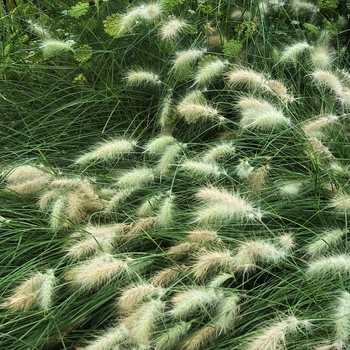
208,71
117,25
140,226
139,78
342,320
286,241
274,336
202,169
109,339
183,59
245,77
280,90
166,112
328,239
141,324
95,239
329,266
303,6
219,279
107,151
258,178
261,115
203,237
313,128
132,298
136,178
212,262
244,170
318,148
172,336
195,300
165,213
227,314
291,53
185,248
95,272
327,79
166,277
38,30
169,157
289,189
344,97
219,152
222,206
118,198
46,290
194,108
322,57
201,338
149,206
341,204
27,172
250,252
25,296
58,214
52,47
159,144
172,29
28,179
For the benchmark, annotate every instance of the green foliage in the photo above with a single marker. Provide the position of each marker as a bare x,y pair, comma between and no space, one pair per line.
165,195
232,48
78,10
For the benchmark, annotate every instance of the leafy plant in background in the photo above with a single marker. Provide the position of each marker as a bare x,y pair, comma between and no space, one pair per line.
175,175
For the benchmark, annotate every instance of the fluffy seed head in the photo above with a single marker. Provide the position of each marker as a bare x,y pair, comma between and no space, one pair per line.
25,296
290,189
168,158
202,337
292,52
261,115
203,237
52,47
249,253
109,339
219,152
166,211
313,128
132,298
258,177
172,336
209,71
329,266
328,239
172,29
184,58
202,169
342,318
167,276
46,290
322,57
327,79
245,77
243,169
227,314
280,90
141,78
159,144
141,324
193,301
211,263
274,336
136,178
107,151
341,204
150,11
97,271
223,206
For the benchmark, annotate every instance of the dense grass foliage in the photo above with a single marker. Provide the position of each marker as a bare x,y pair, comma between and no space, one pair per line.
175,175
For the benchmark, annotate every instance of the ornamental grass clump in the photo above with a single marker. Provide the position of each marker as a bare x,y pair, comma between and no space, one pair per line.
191,192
